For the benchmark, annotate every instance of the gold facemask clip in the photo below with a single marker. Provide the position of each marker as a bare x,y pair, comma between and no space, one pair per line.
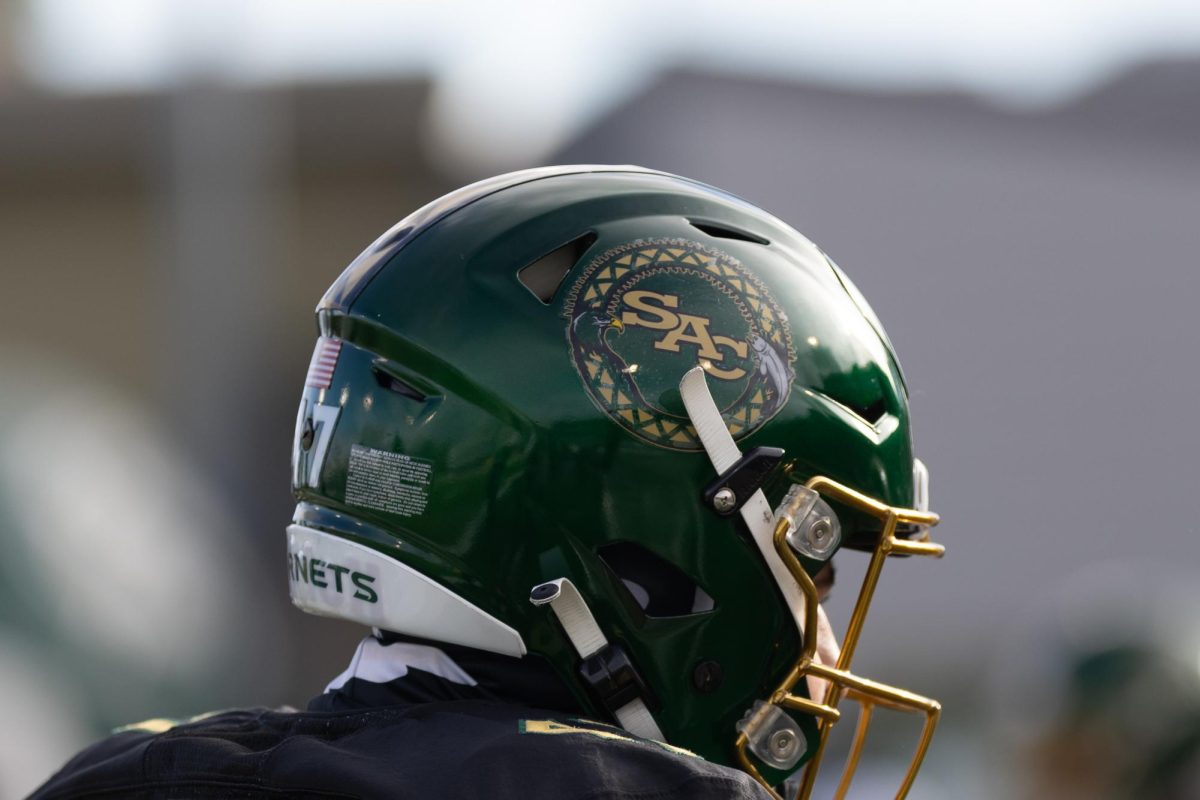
867,693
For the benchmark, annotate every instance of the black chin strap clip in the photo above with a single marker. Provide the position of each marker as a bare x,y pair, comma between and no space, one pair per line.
733,487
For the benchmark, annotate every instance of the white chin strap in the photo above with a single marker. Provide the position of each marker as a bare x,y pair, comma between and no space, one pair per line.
576,618
588,640
723,453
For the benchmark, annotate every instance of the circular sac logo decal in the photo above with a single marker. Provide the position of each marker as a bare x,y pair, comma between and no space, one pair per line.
644,313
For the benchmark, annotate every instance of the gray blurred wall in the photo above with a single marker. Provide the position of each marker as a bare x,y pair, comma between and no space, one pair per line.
173,247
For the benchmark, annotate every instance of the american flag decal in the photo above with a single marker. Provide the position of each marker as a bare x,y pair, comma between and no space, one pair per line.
324,362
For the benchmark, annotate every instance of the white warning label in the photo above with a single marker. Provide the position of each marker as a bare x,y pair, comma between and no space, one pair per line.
391,482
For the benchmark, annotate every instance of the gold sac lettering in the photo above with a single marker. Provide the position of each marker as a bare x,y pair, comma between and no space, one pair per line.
660,318
655,311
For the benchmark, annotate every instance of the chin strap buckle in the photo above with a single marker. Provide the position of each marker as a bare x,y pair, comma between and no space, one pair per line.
605,667
613,679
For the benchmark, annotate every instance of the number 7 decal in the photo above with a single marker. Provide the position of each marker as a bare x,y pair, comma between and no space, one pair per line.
314,429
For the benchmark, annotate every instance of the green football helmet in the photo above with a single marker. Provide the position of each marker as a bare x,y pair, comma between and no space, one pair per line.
615,420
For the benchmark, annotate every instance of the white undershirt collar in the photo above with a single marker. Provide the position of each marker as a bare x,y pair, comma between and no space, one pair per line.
379,663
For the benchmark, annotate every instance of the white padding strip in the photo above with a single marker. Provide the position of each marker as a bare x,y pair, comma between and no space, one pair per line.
920,485
635,718
723,453
576,618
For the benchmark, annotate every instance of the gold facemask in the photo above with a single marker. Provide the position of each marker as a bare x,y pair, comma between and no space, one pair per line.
841,682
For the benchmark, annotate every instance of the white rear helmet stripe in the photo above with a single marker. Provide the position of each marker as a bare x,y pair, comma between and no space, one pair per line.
405,601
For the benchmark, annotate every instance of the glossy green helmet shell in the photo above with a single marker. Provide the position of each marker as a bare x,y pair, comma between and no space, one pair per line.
494,403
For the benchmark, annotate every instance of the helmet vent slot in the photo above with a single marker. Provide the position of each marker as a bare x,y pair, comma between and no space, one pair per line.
394,384
655,585
544,276
870,413
722,231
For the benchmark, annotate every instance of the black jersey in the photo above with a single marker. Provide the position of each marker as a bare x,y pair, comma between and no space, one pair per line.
415,735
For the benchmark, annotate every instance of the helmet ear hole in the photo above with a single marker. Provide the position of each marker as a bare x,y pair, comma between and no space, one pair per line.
655,585
544,276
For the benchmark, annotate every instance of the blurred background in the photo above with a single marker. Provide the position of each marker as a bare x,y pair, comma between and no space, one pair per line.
1015,187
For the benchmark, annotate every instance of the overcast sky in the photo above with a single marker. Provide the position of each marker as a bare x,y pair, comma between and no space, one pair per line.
535,73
